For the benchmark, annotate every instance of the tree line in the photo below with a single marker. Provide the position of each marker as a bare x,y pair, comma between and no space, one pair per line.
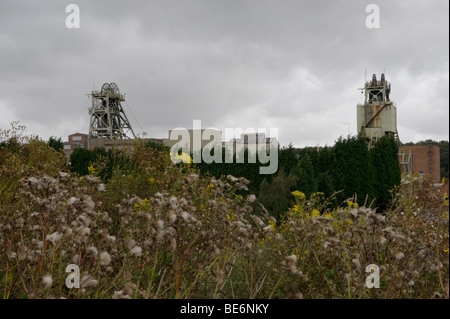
348,169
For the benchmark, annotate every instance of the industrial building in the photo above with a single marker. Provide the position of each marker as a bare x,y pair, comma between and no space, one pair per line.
378,115
108,119
109,128
75,141
422,159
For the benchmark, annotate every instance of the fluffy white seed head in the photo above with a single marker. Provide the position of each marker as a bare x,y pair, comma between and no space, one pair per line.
47,281
136,251
55,237
105,258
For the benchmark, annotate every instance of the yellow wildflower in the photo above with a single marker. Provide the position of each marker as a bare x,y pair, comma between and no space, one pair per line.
315,213
318,196
185,158
351,204
91,170
296,211
298,195
272,224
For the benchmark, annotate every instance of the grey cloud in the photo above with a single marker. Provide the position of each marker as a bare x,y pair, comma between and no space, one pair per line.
294,64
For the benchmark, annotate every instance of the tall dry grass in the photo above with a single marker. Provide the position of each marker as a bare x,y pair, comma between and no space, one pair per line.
157,230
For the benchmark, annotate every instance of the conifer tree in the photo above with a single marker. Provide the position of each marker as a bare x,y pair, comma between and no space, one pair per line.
80,159
353,171
384,156
304,173
325,184
56,144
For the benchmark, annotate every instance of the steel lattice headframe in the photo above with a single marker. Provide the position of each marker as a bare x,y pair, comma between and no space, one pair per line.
108,119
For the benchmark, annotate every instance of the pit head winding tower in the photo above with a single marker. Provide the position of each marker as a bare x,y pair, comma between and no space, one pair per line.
378,115
108,119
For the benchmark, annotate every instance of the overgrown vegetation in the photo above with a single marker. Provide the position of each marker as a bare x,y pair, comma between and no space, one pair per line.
139,226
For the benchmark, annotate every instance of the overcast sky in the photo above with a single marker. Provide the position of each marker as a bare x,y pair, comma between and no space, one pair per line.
287,64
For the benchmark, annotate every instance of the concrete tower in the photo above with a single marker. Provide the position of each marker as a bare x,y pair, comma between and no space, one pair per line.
378,115
108,119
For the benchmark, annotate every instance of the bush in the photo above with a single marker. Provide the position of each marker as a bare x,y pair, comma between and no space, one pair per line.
159,230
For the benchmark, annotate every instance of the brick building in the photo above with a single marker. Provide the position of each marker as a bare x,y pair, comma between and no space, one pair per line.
75,140
82,140
424,159
108,143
